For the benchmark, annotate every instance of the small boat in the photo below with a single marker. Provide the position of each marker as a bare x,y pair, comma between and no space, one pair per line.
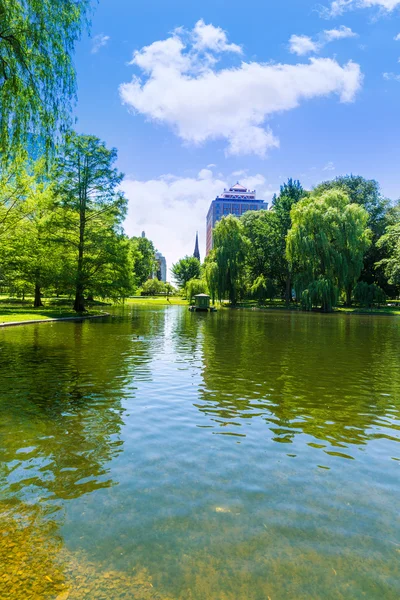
202,304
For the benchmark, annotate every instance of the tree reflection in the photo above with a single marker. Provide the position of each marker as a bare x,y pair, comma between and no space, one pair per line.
62,392
332,378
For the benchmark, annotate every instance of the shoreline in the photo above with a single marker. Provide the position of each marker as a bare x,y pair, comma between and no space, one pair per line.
53,320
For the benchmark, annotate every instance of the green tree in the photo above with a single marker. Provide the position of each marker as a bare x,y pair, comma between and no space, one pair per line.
369,295
194,287
225,266
87,189
30,256
153,287
264,256
366,193
327,241
185,269
144,259
390,243
37,76
290,194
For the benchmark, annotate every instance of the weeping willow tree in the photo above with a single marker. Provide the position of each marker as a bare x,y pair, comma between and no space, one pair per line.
225,265
326,244
37,76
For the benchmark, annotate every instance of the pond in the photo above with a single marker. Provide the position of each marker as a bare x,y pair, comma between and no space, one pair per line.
163,454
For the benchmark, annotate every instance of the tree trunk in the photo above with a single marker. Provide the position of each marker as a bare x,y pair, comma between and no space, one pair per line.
288,290
90,298
349,292
38,300
79,303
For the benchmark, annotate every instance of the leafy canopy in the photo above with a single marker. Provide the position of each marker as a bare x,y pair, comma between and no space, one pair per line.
326,242
37,75
185,269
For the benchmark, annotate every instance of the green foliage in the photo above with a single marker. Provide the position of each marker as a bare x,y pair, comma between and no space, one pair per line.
194,287
144,260
185,269
262,289
326,242
225,266
366,193
390,244
153,287
369,295
265,256
37,76
92,210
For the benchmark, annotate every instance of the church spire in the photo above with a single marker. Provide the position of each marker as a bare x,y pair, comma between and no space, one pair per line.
196,252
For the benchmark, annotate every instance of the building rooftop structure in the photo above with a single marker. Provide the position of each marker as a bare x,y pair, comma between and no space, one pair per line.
235,200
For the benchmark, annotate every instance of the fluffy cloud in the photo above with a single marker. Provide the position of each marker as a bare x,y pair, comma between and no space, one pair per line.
99,41
183,88
397,38
208,37
302,44
338,7
170,209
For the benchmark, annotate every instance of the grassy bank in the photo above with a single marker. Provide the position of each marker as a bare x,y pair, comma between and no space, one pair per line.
356,310
15,310
156,301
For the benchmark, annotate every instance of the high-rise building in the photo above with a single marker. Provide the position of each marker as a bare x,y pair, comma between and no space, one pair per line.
196,252
234,201
161,272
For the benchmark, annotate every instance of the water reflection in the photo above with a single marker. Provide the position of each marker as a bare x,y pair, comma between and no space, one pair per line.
62,389
114,463
322,376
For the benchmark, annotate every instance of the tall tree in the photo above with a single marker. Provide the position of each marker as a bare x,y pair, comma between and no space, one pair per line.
37,76
366,193
264,258
327,240
291,192
87,189
390,243
225,267
185,269
30,258
144,259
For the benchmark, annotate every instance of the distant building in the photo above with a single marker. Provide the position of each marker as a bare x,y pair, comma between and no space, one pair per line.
161,272
143,234
196,252
234,201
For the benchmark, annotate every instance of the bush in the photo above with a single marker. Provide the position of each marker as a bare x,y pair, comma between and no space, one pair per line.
369,295
153,287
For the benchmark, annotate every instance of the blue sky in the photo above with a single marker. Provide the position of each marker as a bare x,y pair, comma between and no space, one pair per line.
254,91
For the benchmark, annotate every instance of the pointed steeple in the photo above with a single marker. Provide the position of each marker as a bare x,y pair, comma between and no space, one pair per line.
196,252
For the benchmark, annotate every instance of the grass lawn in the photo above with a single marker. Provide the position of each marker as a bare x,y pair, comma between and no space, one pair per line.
156,301
14,310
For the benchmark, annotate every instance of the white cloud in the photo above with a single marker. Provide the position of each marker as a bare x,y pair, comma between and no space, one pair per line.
303,44
397,38
208,37
329,166
99,41
338,7
171,209
182,88
340,33
391,76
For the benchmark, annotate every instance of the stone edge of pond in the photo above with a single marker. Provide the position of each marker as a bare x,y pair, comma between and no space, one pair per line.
37,321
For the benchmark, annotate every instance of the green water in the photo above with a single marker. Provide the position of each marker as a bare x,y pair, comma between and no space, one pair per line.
237,455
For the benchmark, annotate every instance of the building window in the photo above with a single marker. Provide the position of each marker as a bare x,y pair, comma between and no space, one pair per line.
236,209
